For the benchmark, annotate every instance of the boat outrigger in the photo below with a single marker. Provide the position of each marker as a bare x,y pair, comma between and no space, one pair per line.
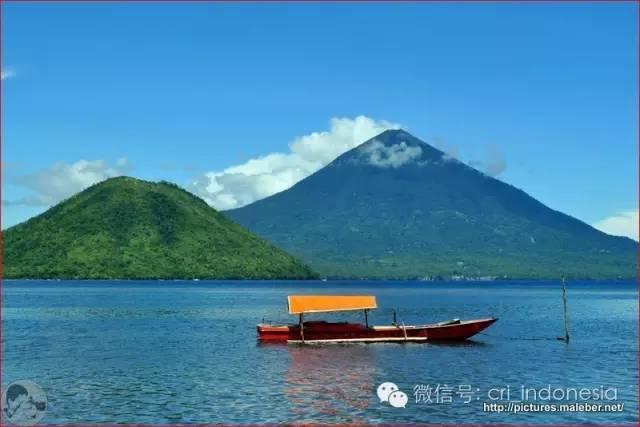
344,332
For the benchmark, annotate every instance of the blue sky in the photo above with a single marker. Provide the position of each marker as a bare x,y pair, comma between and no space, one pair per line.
193,92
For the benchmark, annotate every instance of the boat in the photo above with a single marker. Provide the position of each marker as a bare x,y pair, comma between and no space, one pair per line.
313,332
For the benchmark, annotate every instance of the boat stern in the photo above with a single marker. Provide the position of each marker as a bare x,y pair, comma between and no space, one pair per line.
272,333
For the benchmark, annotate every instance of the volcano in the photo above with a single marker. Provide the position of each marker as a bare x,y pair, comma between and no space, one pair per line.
395,207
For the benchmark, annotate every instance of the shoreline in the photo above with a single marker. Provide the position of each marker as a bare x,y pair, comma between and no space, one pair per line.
330,281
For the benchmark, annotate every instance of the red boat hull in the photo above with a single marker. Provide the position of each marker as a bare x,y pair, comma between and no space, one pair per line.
319,332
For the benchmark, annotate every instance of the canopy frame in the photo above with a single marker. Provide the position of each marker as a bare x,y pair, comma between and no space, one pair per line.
300,304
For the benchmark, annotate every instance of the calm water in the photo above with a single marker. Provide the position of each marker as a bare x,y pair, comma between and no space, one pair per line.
186,352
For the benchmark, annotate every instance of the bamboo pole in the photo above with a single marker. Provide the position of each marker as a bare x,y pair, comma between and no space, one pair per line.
564,307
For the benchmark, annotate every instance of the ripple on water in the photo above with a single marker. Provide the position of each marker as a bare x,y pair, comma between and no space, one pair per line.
179,353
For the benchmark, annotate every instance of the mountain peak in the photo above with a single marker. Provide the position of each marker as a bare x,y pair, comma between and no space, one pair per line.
392,148
394,133
396,136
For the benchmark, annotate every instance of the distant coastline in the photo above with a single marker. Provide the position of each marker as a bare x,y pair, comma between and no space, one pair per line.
324,280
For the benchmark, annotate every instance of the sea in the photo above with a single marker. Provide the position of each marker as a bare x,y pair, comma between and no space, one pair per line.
181,352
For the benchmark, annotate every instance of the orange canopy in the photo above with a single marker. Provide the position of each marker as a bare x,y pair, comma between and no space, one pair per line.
321,303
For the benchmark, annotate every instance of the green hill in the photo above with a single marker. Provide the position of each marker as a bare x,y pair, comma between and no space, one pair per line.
396,207
132,229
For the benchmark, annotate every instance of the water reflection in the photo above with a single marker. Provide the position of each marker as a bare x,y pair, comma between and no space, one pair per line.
330,382
465,343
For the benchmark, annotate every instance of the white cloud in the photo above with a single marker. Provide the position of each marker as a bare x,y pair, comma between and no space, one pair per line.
450,152
392,156
620,224
8,73
261,177
62,180
493,164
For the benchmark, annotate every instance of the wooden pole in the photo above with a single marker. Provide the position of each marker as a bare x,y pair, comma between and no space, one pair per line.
366,317
302,327
564,306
